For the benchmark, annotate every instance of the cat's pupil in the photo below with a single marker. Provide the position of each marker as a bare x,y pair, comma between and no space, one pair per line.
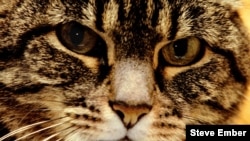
76,35
180,47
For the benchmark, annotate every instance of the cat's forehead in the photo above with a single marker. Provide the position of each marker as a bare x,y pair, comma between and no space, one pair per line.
163,16
134,11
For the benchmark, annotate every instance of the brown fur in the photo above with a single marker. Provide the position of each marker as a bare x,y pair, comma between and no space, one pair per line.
123,87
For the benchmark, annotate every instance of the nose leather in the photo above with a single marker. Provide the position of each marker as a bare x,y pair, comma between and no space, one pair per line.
130,115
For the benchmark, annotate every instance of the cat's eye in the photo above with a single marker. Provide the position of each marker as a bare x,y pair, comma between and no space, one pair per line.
182,52
77,38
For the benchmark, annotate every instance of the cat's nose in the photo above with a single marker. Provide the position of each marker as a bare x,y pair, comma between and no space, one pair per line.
130,115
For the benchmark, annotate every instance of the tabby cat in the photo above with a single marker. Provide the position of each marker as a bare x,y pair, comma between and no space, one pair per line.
73,70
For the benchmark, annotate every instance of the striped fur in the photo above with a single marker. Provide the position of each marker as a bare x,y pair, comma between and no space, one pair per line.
123,89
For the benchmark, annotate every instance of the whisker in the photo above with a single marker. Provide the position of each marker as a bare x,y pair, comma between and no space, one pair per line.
21,130
50,137
27,127
71,132
59,139
46,128
54,135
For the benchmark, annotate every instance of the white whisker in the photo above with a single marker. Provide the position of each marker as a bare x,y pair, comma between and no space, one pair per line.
21,130
50,137
59,139
49,127
71,132
27,127
54,135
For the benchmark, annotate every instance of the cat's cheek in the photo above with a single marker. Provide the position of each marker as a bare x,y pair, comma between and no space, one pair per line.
109,128
109,133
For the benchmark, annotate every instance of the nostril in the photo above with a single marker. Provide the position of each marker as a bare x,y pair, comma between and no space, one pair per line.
120,114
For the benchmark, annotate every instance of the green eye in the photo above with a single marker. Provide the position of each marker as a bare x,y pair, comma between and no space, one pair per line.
182,52
77,37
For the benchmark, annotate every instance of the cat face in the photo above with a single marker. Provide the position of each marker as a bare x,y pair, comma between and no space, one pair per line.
119,70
